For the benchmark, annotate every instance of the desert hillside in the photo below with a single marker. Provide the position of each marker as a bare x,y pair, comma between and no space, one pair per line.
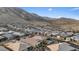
18,16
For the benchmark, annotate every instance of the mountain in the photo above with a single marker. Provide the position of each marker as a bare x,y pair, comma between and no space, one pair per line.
8,15
49,18
20,17
16,15
63,21
66,24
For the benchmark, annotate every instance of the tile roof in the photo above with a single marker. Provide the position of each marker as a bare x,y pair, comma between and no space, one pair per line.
3,48
33,40
16,46
65,47
13,46
60,47
53,47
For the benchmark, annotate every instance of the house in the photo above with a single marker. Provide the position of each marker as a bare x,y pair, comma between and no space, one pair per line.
32,29
75,38
10,32
18,34
2,48
61,47
2,38
55,33
33,41
58,37
66,47
65,34
17,46
53,47
76,34
50,41
3,29
8,36
1,33
68,39
69,33
13,35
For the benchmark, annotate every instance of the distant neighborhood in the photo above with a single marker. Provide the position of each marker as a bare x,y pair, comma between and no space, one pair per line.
37,39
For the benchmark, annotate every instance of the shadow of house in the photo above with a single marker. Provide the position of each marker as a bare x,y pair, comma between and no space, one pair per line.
2,39
51,41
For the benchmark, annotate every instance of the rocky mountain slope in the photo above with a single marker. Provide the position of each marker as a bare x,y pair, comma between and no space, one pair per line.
66,23
17,15
9,15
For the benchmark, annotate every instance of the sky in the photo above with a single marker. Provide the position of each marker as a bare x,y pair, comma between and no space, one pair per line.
55,12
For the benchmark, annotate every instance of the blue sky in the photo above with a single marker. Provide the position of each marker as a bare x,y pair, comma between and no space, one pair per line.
55,12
